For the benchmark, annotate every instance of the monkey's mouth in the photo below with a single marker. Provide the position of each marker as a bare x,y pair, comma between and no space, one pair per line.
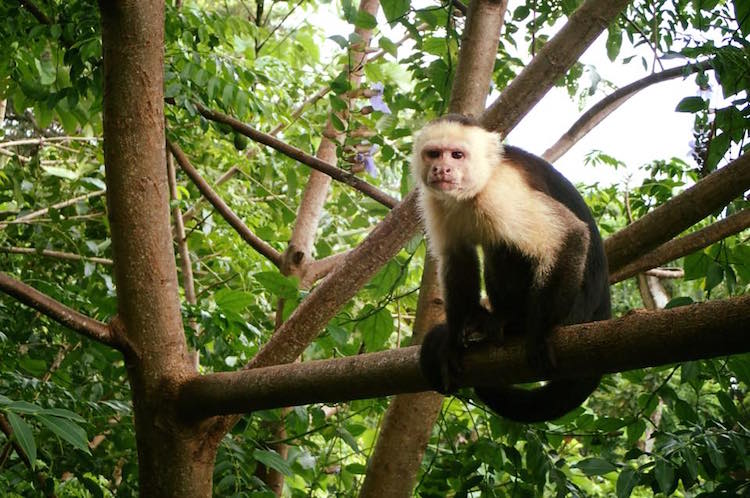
443,184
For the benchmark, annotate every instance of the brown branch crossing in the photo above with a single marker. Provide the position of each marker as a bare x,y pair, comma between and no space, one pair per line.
683,246
637,340
55,254
72,319
216,201
298,155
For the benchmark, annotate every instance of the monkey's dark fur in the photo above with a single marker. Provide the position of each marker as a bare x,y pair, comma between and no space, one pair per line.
544,261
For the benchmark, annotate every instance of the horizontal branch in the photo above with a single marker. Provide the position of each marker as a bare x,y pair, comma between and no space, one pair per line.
679,213
54,254
225,211
637,340
677,248
553,61
596,114
57,311
298,155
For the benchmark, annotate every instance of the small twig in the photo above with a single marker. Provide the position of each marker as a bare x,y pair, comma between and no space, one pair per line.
55,254
59,205
297,154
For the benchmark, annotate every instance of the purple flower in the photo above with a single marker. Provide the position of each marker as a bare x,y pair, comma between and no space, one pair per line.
376,101
366,159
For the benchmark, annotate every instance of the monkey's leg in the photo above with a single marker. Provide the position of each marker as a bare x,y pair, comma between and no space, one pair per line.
553,302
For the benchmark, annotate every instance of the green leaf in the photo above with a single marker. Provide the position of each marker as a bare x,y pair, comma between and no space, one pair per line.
614,42
521,13
67,430
235,301
24,407
679,301
60,172
365,20
376,329
714,275
273,460
347,437
626,481
395,9
664,474
23,435
278,284
595,466
62,413
691,104
742,15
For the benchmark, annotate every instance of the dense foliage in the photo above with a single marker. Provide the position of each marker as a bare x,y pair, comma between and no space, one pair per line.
681,429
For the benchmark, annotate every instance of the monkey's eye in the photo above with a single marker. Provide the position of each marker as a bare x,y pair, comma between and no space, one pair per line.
433,153
457,154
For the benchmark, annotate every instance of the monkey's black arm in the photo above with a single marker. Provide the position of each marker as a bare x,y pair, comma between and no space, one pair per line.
461,288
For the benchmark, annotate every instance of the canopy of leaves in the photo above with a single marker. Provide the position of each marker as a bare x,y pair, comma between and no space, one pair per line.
679,429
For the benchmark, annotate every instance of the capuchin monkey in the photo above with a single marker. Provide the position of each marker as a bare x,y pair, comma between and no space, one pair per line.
544,261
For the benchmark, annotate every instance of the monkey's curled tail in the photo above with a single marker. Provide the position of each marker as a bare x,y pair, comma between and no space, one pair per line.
551,401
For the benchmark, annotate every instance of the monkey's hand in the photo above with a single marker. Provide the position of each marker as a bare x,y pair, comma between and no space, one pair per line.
440,360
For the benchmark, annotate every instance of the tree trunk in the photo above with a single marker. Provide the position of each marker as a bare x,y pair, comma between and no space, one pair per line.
174,459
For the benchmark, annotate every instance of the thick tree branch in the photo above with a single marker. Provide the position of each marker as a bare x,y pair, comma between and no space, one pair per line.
72,319
298,155
55,254
683,246
552,61
596,114
477,57
234,221
679,213
637,340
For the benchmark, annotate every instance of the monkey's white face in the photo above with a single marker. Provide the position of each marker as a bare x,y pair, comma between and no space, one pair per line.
455,161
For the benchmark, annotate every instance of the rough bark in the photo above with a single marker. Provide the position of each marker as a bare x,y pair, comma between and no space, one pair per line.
683,246
174,460
552,61
637,340
609,104
679,213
